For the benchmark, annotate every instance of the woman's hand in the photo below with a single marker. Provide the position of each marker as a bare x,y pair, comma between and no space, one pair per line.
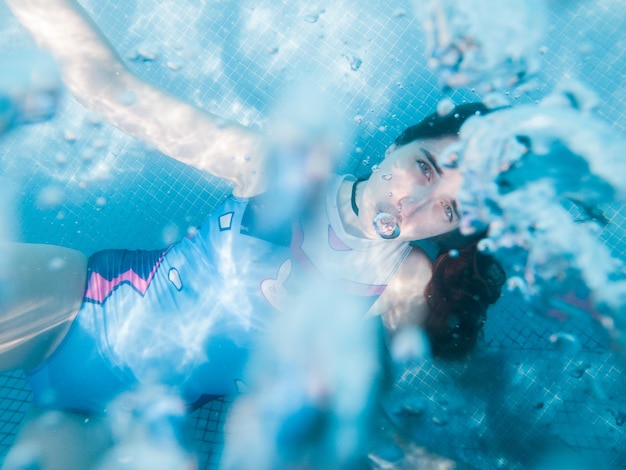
99,79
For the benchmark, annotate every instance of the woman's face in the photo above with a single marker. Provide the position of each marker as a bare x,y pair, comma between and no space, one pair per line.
411,185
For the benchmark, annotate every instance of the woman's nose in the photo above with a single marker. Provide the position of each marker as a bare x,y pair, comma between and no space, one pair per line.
415,202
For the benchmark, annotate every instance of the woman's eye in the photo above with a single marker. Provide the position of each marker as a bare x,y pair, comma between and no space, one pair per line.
449,212
425,168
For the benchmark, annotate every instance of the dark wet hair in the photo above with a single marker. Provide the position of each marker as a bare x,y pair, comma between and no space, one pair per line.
464,283
435,125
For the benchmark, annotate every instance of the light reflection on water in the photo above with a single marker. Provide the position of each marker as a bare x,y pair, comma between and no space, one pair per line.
283,47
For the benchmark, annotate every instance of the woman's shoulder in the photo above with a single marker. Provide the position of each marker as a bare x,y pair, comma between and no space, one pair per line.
402,302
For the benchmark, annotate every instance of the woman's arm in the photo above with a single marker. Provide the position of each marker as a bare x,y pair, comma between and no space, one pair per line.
100,81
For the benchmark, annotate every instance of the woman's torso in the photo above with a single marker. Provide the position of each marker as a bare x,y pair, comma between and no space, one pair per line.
189,315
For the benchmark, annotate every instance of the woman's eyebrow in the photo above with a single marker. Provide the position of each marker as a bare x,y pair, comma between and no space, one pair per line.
455,208
432,161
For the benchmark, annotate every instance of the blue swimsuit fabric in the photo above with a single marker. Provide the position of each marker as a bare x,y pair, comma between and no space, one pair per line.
186,316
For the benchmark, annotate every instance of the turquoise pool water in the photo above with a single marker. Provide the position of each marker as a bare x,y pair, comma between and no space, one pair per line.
78,182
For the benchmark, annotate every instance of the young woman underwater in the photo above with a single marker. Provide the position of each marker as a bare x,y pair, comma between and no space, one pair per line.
188,315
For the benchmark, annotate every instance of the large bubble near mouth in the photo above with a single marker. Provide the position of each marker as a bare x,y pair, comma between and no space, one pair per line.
386,225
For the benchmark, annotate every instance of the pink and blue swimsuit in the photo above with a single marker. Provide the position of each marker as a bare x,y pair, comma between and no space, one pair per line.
189,315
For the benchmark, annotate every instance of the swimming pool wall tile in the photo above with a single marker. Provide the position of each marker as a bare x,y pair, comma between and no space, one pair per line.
519,392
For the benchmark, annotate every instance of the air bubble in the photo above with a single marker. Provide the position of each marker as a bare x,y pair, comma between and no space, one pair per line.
170,234
174,65
516,283
87,155
486,245
354,60
60,159
445,107
94,119
126,98
49,197
409,344
69,136
99,144
147,52
56,263
375,168
565,342
386,176
312,18
386,226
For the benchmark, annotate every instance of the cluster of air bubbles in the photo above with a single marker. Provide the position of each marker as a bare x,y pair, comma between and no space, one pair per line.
482,44
560,137
30,86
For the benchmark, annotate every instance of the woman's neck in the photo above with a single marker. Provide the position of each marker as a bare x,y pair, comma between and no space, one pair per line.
347,201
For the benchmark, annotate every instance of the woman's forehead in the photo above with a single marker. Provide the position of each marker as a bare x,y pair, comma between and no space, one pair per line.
435,146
